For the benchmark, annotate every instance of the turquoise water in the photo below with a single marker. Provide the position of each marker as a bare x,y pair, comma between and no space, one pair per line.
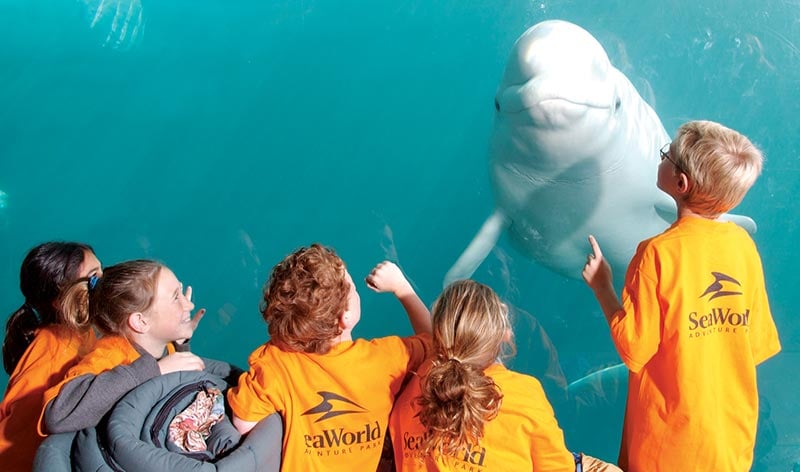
226,134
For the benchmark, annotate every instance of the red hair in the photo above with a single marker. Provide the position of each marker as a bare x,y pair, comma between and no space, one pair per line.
306,294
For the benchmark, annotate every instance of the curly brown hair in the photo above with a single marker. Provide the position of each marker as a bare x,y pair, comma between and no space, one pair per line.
306,294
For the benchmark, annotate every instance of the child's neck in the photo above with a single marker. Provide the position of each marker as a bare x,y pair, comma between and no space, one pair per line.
684,211
154,347
345,336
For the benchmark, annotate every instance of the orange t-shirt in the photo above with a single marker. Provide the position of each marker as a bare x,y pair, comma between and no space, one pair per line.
524,436
335,406
695,323
109,352
45,362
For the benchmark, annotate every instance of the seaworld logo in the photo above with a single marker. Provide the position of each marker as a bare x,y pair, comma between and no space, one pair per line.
326,407
719,317
338,437
473,455
716,287
337,441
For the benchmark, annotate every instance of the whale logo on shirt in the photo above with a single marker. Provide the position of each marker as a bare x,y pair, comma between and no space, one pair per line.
328,408
717,286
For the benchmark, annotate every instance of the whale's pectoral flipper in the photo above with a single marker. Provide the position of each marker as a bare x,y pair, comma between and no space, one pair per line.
478,249
745,222
667,210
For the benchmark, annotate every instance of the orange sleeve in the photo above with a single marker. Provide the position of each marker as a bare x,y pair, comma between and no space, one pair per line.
109,352
44,363
250,398
764,335
548,450
636,329
419,348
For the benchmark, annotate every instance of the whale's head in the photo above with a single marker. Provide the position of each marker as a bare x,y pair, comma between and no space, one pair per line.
559,98
573,141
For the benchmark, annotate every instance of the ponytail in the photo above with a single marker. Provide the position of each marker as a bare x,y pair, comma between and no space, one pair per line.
74,303
471,331
20,330
457,400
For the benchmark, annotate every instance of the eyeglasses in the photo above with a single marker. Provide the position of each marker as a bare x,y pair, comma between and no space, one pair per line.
665,155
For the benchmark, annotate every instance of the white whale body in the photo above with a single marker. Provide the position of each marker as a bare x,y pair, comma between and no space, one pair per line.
574,151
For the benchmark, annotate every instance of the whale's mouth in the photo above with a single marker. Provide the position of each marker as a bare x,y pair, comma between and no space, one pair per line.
562,101
562,111
552,96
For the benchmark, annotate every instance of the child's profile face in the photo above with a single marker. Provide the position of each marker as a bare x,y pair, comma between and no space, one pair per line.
668,173
170,316
353,301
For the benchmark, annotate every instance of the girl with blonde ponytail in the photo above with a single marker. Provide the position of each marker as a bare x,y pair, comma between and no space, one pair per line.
457,398
464,410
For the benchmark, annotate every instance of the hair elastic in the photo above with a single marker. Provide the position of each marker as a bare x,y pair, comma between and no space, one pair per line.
92,282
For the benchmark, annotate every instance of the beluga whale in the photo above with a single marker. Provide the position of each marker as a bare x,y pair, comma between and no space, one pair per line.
574,151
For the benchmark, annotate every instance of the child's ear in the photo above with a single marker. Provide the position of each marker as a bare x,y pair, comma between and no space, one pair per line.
346,320
137,322
683,183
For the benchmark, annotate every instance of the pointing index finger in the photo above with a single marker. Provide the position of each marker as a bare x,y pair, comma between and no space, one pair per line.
598,254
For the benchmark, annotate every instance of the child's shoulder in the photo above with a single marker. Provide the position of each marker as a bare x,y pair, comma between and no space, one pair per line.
516,386
113,342
112,349
502,374
396,342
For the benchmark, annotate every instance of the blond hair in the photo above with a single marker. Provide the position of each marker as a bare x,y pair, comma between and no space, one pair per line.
471,330
721,164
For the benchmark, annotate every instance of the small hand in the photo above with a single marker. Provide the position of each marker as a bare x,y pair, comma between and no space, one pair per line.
596,271
180,361
387,277
197,316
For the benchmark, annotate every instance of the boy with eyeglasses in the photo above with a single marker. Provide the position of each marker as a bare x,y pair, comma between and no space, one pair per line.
694,320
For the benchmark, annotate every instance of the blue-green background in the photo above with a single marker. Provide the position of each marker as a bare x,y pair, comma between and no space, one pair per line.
232,132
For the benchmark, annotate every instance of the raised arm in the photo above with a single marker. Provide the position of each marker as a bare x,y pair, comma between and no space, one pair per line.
597,274
387,277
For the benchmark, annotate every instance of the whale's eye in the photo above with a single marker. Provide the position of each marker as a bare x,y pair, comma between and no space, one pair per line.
496,105
617,104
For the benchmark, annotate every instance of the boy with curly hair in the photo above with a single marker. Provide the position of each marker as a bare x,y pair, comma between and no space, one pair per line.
334,393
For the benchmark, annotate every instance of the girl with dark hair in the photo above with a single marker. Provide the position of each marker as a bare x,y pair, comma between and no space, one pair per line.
47,270
41,343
